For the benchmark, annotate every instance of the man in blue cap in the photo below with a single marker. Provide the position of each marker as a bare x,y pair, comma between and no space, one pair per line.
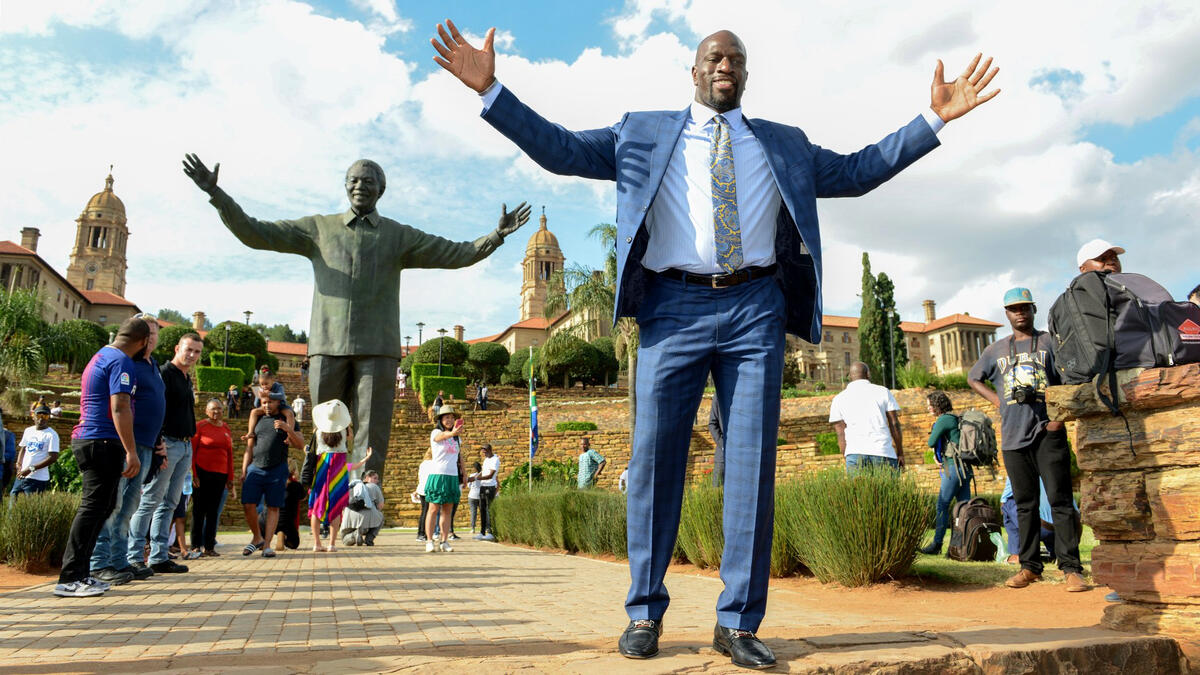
1020,368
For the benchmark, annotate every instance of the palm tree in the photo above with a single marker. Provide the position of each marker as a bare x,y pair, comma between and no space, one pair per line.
28,345
581,289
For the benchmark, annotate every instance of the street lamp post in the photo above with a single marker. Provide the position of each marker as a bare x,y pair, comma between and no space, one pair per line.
225,362
441,343
420,326
247,313
892,344
407,339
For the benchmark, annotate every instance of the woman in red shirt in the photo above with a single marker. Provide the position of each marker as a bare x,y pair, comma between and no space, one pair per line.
212,473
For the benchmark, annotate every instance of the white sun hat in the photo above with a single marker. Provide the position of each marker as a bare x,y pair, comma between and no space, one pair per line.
331,416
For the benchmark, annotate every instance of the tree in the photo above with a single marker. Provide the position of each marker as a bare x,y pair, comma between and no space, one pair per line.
590,297
487,360
517,372
892,337
609,366
243,339
453,352
86,338
281,332
872,331
173,316
566,358
28,345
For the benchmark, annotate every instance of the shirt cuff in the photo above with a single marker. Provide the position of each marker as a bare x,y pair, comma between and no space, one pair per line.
931,118
488,96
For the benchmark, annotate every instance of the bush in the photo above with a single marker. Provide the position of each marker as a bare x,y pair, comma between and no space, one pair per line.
549,473
517,371
566,359
914,376
420,370
855,530
242,340
827,443
64,472
453,386
243,362
588,521
214,379
34,529
609,366
952,381
701,534
453,352
575,426
87,338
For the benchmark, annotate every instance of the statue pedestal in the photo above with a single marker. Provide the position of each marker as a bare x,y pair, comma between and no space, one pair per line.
1144,509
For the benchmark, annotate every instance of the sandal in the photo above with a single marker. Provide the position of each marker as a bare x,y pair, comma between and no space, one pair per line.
268,552
211,553
251,548
192,555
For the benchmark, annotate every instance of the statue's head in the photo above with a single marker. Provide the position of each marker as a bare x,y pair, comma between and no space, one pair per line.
365,184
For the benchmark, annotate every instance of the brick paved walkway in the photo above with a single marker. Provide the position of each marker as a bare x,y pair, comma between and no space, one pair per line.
394,608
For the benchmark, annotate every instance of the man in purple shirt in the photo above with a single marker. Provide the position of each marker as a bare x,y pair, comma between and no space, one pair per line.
104,447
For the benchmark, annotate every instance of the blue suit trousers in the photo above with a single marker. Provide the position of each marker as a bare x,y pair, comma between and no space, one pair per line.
688,331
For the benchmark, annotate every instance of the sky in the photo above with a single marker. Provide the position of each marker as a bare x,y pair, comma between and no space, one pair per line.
1096,133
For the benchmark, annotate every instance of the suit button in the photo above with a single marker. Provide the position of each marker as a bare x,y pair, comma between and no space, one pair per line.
628,240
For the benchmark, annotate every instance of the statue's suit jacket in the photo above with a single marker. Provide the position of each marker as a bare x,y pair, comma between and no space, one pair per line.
635,152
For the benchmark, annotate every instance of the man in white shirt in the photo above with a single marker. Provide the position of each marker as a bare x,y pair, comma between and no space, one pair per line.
298,408
488,483
866,418
718,256
39,449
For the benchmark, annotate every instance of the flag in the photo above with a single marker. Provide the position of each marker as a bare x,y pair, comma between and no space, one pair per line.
533,424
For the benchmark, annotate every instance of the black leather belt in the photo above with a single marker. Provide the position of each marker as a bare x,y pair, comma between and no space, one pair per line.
720,280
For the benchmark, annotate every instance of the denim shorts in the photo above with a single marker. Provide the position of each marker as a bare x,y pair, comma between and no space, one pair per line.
270,483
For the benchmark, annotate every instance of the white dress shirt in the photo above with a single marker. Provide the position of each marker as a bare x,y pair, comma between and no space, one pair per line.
680,220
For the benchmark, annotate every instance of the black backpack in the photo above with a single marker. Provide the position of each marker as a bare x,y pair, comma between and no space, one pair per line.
971,536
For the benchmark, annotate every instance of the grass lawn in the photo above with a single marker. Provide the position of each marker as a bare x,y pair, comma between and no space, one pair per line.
943,569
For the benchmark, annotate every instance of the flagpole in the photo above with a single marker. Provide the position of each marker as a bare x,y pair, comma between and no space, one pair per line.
532,417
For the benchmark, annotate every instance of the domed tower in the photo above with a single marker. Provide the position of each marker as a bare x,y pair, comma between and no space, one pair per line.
543,258
98,258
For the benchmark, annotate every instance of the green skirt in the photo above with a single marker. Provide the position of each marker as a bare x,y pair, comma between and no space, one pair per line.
440,489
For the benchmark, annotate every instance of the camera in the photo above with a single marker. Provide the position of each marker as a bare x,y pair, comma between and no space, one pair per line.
1024,394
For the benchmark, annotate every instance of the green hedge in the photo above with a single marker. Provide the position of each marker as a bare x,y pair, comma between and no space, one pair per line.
453,386
244,362
34,529
575,426
420,370
588,521
215,379
827,443
546,473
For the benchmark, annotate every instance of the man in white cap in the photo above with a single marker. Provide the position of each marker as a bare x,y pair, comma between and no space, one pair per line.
1099,256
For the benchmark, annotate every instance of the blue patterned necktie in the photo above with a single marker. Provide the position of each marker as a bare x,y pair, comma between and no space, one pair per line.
727,237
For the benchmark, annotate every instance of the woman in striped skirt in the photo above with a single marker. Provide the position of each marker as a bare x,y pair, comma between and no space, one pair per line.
331,480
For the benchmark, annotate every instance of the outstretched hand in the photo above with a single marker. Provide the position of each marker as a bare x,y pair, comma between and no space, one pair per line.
951,100
511,220
203,178
476,68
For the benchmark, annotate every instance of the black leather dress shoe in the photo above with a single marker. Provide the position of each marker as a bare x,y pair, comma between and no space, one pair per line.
746,649
640,639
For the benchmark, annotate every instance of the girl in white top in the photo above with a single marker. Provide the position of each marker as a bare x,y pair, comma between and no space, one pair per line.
443,487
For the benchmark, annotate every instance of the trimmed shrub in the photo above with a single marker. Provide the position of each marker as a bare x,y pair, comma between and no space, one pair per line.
244,362
827,443
566,359
548,473
168,337
487,360
453,352
588,521
420,370
575,426
854,529
453,386
34,529
517,372
242,340
214,379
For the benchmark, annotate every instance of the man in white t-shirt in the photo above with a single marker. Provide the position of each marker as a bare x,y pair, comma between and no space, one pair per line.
298,408
39,449
488,483
867,421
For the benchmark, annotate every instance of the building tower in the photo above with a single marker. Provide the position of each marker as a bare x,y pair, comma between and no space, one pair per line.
543,258
98,258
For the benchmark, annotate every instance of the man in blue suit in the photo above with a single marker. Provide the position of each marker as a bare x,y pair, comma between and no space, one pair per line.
718,255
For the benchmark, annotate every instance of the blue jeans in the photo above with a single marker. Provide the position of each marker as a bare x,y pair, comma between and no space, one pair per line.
856,461
113,542
688,332
1009,509
29,486
952,488
159,497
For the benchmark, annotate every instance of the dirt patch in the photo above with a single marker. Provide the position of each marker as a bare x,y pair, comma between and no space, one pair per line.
12,579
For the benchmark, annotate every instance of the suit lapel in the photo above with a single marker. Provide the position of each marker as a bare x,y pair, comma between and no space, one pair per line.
666,137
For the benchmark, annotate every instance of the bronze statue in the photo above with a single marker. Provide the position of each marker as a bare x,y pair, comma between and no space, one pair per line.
357,256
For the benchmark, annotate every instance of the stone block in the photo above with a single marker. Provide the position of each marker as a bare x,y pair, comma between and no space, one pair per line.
1115,505
1174,499
1154,572
1164,437
1180,622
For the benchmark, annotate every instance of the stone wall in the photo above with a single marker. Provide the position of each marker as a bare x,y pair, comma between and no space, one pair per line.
1144,507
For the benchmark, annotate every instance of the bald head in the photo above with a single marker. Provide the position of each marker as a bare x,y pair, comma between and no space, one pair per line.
719,73
859,371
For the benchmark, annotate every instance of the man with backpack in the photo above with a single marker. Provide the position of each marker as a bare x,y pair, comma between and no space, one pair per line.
1020,369
1098,255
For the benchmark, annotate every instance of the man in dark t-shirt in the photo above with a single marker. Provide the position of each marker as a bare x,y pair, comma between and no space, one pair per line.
1020,369
265,470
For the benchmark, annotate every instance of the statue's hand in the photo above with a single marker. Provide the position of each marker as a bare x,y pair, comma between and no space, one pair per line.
203,178
476,68
510,221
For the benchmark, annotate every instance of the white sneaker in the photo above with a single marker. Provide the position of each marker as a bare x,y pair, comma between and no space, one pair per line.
429,547
446,547
76,589
96,583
